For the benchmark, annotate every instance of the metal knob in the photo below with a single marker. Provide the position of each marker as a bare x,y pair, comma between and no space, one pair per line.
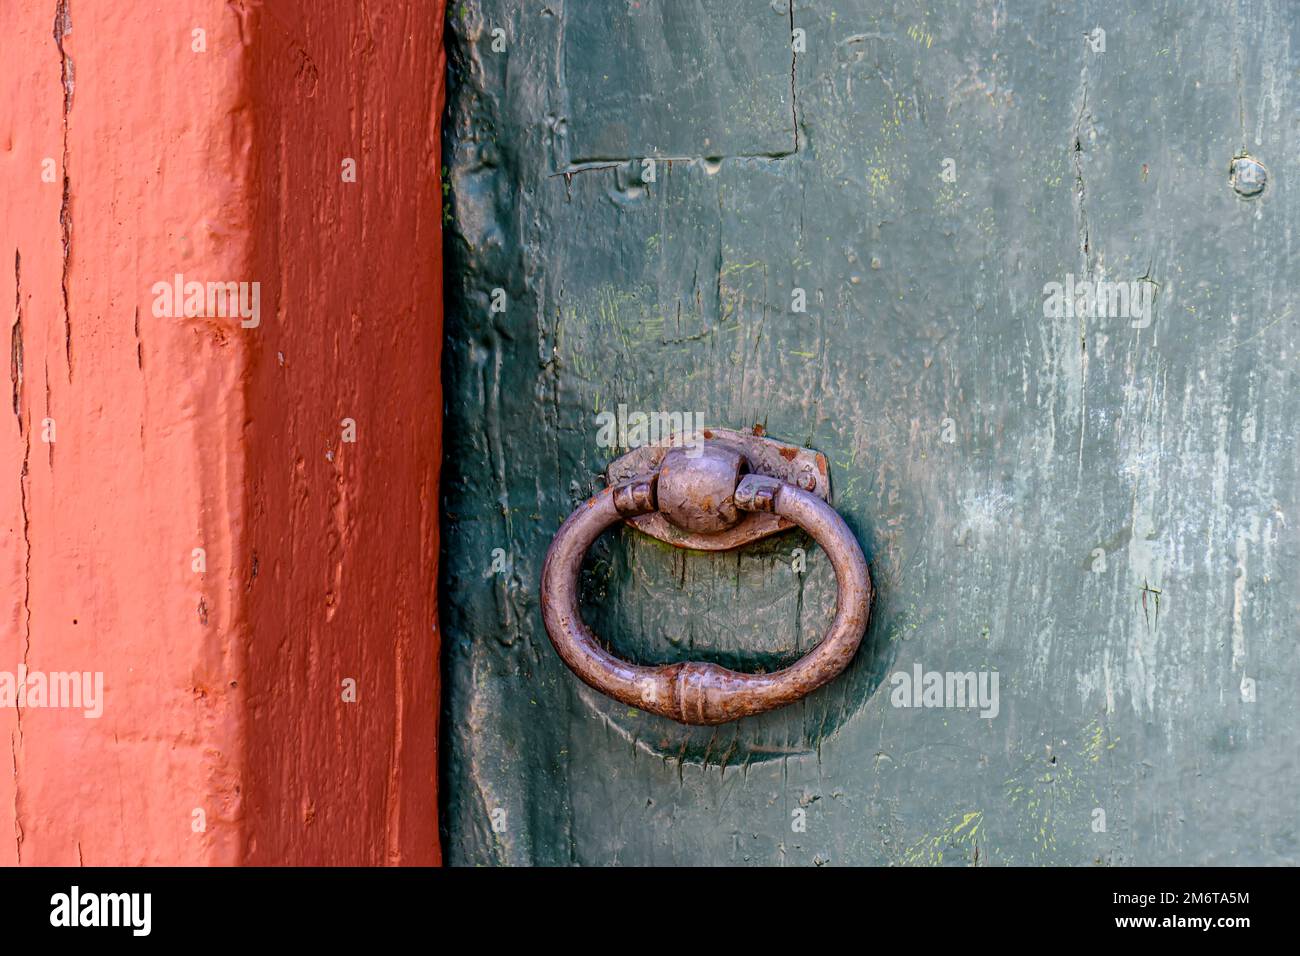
705,493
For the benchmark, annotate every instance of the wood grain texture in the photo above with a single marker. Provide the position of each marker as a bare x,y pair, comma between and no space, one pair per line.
220,158
1111,528
345,533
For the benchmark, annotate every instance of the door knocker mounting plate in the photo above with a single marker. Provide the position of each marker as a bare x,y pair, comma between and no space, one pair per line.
804,468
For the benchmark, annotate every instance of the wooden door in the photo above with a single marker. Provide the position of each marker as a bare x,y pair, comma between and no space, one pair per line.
1011,269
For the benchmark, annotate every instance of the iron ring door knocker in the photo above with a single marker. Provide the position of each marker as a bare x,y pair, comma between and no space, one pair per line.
735,489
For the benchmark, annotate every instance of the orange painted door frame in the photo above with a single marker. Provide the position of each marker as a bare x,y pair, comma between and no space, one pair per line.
222,504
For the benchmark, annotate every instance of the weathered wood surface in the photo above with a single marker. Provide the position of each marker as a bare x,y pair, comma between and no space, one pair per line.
180,509
1101,510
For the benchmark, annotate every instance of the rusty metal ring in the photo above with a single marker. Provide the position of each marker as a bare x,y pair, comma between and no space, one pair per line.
696,692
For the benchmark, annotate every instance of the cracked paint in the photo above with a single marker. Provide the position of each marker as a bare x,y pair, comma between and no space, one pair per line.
1026,487
181,437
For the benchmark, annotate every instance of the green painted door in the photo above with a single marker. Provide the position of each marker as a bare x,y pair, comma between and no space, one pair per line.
999,267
